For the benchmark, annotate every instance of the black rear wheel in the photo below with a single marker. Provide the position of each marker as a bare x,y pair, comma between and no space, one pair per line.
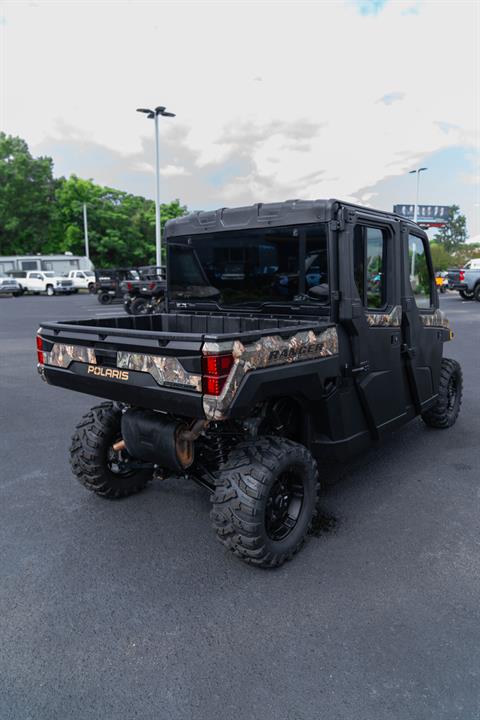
265,500
139,306
445,411
109,473
466,294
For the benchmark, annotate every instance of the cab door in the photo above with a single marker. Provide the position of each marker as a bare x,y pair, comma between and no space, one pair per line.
373,317
36,282
423,327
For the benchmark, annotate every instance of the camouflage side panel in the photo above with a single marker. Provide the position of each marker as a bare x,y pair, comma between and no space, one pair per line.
391,319
265,352
62,355
164,370
435,319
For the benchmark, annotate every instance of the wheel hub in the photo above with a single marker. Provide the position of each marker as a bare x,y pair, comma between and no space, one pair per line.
284,504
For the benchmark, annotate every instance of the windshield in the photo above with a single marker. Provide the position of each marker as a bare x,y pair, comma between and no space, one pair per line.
89,273
251,267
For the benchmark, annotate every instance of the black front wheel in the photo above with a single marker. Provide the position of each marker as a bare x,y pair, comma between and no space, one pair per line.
265,500
96,464
445,411
104,298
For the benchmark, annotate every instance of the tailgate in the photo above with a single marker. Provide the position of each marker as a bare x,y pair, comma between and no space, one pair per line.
133,368
453,276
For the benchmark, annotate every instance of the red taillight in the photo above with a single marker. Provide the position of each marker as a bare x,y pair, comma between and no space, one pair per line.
40,350
152,286
215,370
129,286
461,276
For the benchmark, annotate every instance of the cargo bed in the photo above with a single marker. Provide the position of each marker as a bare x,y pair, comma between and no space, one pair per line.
87,355
166,326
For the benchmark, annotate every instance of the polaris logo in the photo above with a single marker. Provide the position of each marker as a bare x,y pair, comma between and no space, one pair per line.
107,372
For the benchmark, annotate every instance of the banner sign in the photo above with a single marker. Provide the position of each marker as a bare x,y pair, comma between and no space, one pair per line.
427,215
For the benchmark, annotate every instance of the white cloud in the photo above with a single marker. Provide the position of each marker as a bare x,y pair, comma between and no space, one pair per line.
174,170
289,89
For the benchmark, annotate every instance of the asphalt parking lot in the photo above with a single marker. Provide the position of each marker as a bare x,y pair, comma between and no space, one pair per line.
132,609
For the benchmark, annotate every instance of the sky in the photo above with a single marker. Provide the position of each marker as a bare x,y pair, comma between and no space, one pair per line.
273,100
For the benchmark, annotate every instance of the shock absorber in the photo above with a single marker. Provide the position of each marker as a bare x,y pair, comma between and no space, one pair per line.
218,441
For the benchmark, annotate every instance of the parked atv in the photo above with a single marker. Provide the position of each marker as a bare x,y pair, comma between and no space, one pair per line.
255,374
146,295
108,283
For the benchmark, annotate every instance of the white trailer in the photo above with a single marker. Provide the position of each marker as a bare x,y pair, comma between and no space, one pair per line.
60,264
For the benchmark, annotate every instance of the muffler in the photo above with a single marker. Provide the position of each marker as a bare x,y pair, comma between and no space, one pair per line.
155,438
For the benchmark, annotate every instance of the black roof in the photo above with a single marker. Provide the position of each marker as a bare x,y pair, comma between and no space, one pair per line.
289,212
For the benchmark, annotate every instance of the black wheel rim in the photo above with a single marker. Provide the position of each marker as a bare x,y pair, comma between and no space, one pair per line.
452,392
118,462
141,308
284,504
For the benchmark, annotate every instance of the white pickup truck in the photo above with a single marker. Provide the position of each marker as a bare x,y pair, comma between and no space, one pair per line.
36,281
83,279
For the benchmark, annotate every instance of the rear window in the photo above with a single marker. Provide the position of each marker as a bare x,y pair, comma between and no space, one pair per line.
251,267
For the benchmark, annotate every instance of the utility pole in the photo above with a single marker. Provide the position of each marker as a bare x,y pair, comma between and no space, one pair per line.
159,111
85,230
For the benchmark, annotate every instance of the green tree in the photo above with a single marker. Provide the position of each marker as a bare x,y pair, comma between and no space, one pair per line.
465,253
454,233
441,258
41,214
27,190
121,226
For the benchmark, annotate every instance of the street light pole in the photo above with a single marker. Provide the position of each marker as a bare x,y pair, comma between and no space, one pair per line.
160,110
158,230
417,172
85,230
415,216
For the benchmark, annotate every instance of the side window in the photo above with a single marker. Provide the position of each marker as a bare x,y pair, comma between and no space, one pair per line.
420,275
369,264
316,263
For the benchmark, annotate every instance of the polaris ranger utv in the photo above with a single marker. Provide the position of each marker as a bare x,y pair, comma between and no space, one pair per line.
292,331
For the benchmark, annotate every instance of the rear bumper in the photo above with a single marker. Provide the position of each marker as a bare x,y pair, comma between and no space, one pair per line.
140,390
458,286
